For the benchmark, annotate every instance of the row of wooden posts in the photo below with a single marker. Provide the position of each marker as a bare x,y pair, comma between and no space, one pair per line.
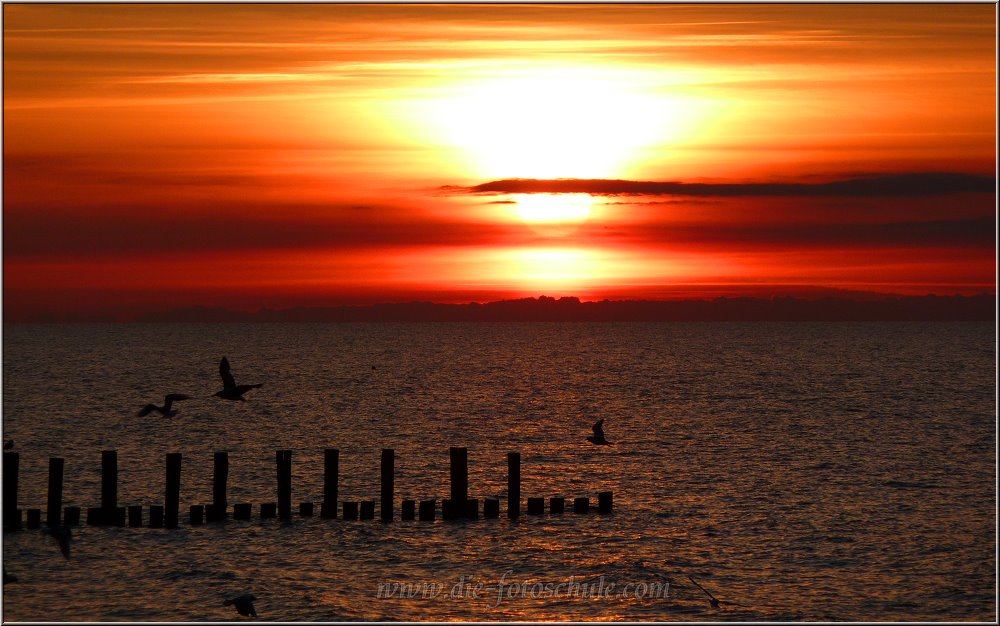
459,506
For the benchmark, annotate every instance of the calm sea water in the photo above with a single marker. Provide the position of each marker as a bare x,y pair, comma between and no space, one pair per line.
805,471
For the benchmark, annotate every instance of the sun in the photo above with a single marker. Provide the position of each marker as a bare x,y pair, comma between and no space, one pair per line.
549,207
556,122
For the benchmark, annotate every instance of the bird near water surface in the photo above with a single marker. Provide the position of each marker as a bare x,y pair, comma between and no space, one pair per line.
243,604
230,390
598,437
165,410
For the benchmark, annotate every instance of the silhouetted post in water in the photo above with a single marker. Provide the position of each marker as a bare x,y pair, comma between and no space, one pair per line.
55,492
135,516
536,506
93,516
351,510
268,510
172,499
305,509
197,514
156,516
367,509
331,467
242,510
427,510
220,475
34,518
459,480
118,517
448,510
109,485
11,514
387,477
605,502
581,505
71,516
472,509
284,458
513,485
409,510
557,505
491,508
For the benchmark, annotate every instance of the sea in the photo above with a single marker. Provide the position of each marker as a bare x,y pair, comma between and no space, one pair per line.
795,471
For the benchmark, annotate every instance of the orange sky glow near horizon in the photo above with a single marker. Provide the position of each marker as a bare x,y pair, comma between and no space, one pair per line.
248,156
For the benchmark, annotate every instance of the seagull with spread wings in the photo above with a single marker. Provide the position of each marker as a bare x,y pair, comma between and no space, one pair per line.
598,436
164,410
230,390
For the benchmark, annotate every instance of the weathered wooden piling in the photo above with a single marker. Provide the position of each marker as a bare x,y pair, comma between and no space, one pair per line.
34,518
351,510
93,516
172,496
242,510
409,510
71,516
214,513
536,506
305,509
268,510
513,485
54,510
459,479
331,469
135,516
367,509
11,514
284,462
472,508
156,516
386,479
605,502
220,475
117,516
581,505
197,512
557,505
448,510
109,484
427,510
491,508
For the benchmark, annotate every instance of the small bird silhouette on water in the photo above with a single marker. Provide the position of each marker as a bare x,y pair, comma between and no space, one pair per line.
230,390
62,536
243,604
164,410
8,445
598,436
715,602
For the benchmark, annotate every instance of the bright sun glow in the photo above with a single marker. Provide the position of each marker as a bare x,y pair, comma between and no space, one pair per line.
571,207
564,122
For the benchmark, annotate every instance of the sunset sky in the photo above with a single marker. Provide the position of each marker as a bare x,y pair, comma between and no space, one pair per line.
252,156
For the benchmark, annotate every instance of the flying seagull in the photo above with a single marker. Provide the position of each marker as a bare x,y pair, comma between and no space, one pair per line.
230,390
712,599
164,410
598,437
62,536
244,604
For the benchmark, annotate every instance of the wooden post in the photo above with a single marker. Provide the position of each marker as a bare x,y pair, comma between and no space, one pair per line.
409,510
11,514
472,508
220,475
118,516
109,485
54,510
605,502
284,460
387,476
557,505
305,509
581,505
197,514
172,498
427,510
268,510
513,485
71,516
367,509
34,518
242,510
156,516
94,516
491,508
449,510
331,467
536,506
351,510
135,516
459,479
